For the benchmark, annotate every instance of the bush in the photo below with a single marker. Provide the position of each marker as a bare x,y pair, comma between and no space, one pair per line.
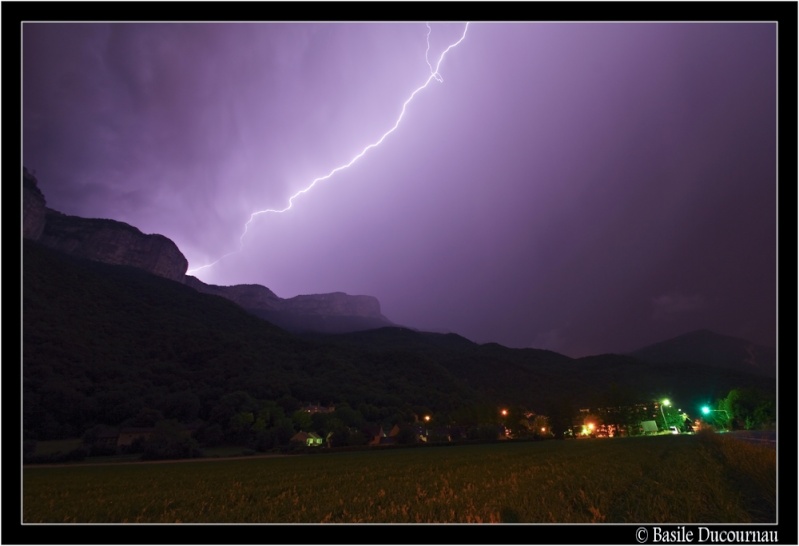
170,440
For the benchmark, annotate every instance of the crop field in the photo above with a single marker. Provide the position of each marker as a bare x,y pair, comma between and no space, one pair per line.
663,479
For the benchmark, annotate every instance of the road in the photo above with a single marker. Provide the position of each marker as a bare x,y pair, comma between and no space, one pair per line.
762,437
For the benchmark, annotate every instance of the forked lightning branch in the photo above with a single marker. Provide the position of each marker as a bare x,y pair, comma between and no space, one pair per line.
434,75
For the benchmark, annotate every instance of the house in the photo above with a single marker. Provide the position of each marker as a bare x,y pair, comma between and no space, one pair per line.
374,433
127,436
418,430
310,439
443,434
104,440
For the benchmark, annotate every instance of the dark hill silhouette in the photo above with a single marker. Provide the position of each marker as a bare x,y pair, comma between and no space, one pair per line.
713,349
399,338
102,343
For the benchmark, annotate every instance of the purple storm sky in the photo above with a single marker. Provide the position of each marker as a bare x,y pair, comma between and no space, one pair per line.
579,187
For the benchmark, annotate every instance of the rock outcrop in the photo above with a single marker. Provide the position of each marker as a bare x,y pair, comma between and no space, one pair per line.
335,312
335,304
113,242
34,207
251,296
118,243
107,241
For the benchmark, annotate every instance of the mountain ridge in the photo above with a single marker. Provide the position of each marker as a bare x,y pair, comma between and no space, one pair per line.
114,242
707,347
113,344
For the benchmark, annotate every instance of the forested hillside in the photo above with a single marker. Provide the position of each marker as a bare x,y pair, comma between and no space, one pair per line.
116,346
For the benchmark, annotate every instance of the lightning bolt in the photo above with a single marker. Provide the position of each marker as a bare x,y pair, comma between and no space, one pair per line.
434,75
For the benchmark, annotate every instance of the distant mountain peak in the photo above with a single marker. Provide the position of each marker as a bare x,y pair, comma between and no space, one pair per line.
707,347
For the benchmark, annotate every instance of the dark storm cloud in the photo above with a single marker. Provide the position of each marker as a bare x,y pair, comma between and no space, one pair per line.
567,186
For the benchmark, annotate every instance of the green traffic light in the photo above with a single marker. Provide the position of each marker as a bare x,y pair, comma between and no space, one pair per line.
705,410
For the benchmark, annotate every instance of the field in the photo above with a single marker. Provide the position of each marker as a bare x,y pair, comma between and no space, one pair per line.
663,479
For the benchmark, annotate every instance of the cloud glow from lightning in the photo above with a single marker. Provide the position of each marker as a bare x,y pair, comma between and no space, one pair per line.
434,75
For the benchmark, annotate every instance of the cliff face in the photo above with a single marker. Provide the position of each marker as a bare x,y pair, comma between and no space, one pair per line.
335,304
115,243
33,207
252,296
336,312
118,243
106,241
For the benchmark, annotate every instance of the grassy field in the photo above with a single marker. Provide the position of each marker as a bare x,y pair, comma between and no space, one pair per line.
663,479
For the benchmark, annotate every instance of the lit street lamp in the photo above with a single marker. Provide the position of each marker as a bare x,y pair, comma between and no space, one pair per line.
664,403
706,411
